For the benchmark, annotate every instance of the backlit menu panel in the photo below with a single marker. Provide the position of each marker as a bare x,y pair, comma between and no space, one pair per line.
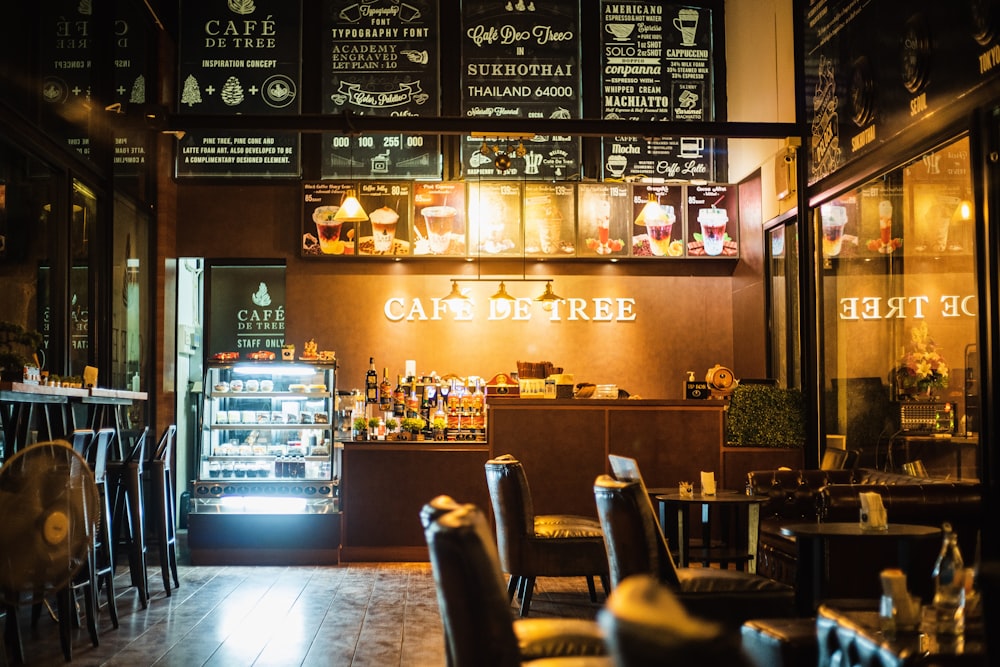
380,58
656,62
239,57
521,60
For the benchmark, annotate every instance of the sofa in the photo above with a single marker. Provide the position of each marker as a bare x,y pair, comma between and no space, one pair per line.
796,496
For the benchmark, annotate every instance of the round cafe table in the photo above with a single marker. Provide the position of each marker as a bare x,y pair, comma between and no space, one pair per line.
813,540
728,501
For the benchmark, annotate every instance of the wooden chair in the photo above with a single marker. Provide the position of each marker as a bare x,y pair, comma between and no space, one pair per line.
161,511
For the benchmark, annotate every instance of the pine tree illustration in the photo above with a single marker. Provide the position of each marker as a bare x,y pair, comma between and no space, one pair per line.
191,94
232,91
138,90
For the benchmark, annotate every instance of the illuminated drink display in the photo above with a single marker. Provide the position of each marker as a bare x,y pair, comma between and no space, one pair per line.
384,222
885,221
659,227
327,229
713,223
834,219
440,222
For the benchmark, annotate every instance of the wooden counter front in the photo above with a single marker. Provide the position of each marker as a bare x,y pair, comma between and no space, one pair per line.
564,444
384,485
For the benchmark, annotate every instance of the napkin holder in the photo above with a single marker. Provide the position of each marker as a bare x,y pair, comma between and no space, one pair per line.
872,516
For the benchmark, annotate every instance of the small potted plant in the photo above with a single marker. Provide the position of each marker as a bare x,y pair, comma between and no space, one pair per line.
439,424
413,427
18,348
373,428
390,428
360,428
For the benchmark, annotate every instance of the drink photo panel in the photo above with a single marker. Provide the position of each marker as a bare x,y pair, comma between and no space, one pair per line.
657,228
604,218
439,228
322,234
548,219
386,233
713,225
494,215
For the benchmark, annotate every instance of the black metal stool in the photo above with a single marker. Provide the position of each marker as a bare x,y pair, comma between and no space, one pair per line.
128,518
161,496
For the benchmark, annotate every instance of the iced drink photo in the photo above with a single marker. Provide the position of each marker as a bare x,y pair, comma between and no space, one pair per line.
885,221
834,219
328,230
713,223
440,222
384,222
659,225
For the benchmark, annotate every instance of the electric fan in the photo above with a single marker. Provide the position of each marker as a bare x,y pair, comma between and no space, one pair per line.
50,508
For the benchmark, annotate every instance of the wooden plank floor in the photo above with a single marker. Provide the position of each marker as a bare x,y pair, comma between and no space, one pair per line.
357,614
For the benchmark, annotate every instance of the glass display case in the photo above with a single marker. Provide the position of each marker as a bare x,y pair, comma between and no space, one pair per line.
267,456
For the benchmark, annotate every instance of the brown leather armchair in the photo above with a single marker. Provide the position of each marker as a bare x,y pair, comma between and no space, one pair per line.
478,627
635,545
647,626
540,545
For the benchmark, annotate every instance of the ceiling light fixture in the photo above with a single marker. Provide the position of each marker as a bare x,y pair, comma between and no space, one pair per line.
455,297
350,209
502,295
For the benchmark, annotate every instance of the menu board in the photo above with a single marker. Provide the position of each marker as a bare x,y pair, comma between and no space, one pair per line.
549,210
656,62
712,220
65,64
873,69
604,218
321,234
387,231
657,221
521,60
495,218
439,219
239,57
381,58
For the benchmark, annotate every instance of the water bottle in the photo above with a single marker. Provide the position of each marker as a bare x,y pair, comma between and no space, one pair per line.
949,586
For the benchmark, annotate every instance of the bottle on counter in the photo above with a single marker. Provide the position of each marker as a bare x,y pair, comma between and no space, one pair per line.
949,586
385,392
399,399
371,383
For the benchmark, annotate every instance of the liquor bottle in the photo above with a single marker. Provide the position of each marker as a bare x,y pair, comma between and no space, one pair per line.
949,586
399,399
371,382
385,392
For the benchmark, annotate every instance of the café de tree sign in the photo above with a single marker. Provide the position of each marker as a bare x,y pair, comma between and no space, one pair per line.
917,307
596,309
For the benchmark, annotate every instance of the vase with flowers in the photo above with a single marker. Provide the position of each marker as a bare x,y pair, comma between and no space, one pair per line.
921,368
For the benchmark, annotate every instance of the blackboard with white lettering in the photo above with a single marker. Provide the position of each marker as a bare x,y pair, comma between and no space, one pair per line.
381,58
521,60
239,57
656,62
247,303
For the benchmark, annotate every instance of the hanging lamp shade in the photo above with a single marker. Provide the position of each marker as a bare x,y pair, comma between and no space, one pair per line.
350,209
455,296
502,295
548,296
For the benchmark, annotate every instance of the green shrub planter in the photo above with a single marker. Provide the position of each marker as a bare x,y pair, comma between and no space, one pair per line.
765,416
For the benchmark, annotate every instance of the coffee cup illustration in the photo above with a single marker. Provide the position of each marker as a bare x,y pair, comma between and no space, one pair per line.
617,165
687,23
621,31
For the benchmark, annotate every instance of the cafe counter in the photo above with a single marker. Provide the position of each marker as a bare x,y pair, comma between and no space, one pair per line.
564,445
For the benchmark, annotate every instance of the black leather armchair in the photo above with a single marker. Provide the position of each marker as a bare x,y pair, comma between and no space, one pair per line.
635,545
478,628
540,545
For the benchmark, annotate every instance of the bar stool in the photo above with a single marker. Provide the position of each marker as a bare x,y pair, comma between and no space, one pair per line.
128,523
161,516
103,567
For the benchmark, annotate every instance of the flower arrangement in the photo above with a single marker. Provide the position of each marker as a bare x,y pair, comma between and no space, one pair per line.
921,367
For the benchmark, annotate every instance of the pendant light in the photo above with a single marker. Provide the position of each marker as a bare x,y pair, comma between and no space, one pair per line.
350,209
548,296
455,297
502,295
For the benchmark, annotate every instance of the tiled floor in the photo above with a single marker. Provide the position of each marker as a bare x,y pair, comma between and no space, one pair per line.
358,614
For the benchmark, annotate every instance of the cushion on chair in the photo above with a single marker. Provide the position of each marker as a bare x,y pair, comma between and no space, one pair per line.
780,642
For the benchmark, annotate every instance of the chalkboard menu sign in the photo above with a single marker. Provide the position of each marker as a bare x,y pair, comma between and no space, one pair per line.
247,303
380,58
65,64
495,218
522,60
239,57
656,62
874,69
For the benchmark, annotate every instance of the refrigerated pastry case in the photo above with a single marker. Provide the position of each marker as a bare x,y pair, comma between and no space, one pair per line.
267,466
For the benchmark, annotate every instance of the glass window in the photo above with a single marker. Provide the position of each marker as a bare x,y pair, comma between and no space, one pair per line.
783,311
899,313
